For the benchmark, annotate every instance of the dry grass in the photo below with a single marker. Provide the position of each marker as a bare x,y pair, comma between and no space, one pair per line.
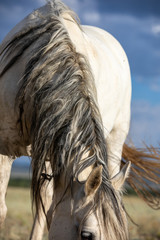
19,219
147,220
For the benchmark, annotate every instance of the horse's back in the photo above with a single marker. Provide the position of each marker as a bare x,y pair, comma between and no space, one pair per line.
111,71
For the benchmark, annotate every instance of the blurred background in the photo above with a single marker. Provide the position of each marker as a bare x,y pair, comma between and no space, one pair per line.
136,25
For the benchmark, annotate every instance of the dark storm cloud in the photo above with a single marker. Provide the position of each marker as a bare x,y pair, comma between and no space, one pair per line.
140,42
24,3
140,8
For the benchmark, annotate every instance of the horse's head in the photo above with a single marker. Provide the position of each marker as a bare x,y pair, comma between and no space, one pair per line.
88,212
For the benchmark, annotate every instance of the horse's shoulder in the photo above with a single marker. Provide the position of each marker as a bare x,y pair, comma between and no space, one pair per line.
103,39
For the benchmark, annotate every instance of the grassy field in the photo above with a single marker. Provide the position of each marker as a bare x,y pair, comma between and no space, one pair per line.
19,219
147,219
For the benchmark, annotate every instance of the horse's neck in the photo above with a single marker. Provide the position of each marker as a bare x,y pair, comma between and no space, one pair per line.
83,44
75,33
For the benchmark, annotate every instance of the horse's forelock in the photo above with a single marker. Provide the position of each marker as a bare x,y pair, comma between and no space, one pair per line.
111,213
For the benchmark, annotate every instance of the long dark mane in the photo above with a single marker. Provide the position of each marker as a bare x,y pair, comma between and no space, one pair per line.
58,111
57,108
65,123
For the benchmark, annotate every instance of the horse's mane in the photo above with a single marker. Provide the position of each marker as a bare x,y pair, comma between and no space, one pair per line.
145,172
57,106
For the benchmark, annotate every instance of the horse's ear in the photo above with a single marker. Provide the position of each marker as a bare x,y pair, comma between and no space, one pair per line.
94,181
119,179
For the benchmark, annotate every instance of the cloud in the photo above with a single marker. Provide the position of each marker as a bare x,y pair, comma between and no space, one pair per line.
91,17
156,29
145,125
139,42
140,9
15,13
155,85
73,4
41,2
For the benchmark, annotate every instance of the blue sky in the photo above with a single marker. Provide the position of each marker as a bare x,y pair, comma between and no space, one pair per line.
136,24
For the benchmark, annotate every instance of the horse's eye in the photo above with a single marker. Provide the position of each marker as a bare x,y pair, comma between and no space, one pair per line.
86,235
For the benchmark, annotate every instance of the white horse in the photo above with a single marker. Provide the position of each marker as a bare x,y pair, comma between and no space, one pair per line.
65,93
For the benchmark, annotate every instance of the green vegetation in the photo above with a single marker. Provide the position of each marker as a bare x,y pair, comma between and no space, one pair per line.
20,182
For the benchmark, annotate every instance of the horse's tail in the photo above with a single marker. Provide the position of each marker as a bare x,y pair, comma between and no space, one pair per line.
145,172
